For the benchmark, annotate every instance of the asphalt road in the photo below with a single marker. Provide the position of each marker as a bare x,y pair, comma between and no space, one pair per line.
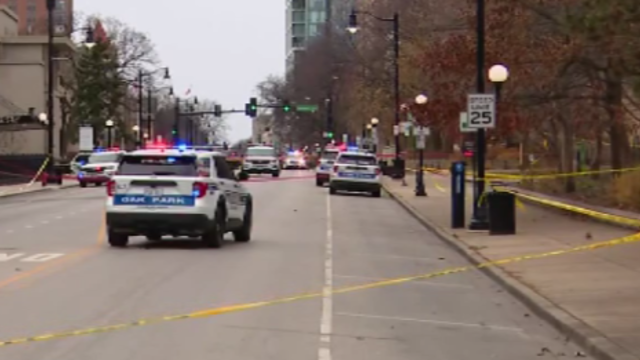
57,274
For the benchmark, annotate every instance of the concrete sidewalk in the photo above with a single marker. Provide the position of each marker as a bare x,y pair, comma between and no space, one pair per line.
593,297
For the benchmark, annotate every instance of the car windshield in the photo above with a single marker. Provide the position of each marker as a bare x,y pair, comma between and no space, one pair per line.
101,158
159,165
81,158
356,160
261,152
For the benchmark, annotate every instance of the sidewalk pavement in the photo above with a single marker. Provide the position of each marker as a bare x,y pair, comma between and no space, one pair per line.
593,297
20,189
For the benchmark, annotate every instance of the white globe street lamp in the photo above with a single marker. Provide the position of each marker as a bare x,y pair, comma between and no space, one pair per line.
421,99
498,74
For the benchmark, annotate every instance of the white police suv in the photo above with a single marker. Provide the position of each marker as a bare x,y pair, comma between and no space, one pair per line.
356,171
261,160
177,193
323,170
99,167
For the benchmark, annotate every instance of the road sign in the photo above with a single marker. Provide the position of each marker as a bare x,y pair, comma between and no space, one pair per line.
306,108
482,111
421,138
464,123
345,138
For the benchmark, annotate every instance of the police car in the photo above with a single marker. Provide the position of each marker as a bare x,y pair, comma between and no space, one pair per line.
355,171
323,170
177,192
260,160
294,160
99,167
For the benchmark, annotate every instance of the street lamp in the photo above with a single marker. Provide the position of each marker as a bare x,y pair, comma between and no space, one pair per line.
43,118
109,124
374,133
498,75
421,100
141,76
395,20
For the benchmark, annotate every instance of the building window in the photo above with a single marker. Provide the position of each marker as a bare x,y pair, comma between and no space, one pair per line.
298,30
317,4
315,29
297,42
299,4
299,16
316,16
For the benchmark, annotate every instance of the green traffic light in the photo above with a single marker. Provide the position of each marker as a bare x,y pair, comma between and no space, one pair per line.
286,108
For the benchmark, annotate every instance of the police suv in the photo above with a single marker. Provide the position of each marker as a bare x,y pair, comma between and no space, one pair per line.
323,170
177,193
356,171
99,167
261,160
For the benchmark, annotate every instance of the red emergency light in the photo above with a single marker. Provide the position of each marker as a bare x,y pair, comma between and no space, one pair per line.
468,153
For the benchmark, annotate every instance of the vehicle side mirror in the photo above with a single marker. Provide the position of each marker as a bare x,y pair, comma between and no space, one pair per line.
243,176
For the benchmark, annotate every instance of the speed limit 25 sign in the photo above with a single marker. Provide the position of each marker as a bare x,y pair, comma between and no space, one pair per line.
481,110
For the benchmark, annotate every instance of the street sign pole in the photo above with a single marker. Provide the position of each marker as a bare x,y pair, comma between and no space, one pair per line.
420,145
481,109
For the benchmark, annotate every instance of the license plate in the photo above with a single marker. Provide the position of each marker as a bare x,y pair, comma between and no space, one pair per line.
144,200
153,191
356,175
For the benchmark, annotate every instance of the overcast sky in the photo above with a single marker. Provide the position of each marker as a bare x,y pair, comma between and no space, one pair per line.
219,48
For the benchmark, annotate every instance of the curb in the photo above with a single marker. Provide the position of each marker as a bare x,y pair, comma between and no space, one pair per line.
44,189
595,343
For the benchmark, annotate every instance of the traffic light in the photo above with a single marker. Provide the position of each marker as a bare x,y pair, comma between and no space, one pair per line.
286,106
328,135
217,110
251,109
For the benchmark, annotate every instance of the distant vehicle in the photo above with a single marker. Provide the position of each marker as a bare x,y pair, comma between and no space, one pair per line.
356,171
99,167
78,161
294,160
260,160
177,193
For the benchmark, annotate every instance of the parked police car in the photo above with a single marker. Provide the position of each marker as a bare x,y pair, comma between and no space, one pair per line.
355,171
99,167
177,193
260,160
323,170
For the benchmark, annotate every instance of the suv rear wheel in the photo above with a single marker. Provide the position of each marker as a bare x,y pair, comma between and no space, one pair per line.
117,240
244,233
214,236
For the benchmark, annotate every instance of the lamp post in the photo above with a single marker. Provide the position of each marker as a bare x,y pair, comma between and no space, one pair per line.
149,132
141,76
395,20
498,75
421,100
479,220
374,134
136,131
176,120
109,124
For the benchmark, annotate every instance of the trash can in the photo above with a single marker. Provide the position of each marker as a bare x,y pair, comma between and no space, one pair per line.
502,213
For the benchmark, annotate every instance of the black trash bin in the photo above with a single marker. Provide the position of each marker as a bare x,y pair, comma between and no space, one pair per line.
502,213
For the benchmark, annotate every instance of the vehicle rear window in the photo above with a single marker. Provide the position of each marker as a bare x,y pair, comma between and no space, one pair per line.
101,158
357,160
330,155
81,159
159,165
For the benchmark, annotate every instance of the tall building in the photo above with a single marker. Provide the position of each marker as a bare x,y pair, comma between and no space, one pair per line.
307,19
32,16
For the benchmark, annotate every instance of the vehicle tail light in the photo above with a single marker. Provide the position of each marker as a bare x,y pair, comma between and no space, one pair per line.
335,168
200,189
98,168
378,171
111,187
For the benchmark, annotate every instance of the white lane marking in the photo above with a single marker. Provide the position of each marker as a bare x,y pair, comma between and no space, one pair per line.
42,257
418,282
59,217
326,320
29,227
435,322
45,222
6,257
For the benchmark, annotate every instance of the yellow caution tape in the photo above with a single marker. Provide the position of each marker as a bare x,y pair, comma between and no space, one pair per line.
248,306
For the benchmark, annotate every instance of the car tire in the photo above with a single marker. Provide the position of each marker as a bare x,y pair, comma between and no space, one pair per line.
117,240
319,183
332,190
83,184
154,237
244,233
376,194
98,184
276,174
214,236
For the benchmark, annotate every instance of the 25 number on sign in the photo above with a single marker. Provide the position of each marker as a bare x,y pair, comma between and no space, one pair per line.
480,119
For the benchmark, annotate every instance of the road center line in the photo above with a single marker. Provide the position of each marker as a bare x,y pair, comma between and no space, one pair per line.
324,352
